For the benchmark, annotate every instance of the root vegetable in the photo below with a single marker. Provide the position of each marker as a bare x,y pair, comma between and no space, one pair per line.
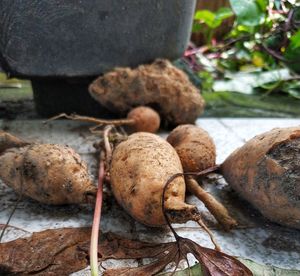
141,118
197,152
144,119
140,167
266,172
159,85
50,174
194,146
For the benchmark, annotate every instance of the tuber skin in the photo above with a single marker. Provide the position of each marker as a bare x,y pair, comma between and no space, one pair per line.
197,152
47,173
266,172
141,118
145,119
196,149
159,85
140,167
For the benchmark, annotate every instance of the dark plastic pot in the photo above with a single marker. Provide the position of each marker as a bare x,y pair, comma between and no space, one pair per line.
67,39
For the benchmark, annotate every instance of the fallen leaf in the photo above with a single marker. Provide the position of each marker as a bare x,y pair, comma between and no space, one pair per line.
257,270
51,252
213,262
64,251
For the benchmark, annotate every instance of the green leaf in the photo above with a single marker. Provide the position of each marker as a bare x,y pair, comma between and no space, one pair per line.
248,12
246,83
205,16
224,13
292,53
257,270
295,40
213,20
292,88
263,4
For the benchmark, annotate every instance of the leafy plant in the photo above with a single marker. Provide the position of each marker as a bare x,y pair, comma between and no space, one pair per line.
264,40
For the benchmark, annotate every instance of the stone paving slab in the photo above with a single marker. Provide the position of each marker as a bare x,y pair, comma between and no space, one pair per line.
258,239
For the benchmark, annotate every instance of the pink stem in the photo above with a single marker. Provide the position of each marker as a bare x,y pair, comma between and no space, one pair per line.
96,222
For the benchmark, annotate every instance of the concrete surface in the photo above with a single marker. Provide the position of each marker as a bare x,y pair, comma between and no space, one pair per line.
255,239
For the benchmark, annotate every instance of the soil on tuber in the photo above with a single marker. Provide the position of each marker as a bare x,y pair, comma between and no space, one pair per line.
141,167
266,172
47,173
197,152
196,149
159,85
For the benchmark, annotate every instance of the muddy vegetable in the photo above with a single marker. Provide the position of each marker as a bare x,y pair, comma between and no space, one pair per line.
197,152
266,172
144,119
159,85
140,167
50,174
194,146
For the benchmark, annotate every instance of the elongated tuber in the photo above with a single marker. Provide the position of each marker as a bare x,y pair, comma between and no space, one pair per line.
50,174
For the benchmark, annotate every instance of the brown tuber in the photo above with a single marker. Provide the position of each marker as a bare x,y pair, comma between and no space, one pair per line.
140,167
144,119
140,173
197,152
47,173
159,85
194,146
141,118
266,172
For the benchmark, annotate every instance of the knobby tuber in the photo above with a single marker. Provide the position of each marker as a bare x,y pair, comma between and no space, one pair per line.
266,172
159,85
48,173
197,152
141,118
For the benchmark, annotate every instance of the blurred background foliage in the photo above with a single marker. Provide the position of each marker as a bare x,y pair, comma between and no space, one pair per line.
246,56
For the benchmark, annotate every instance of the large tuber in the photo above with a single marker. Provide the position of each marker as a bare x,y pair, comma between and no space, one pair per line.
266,172
159,85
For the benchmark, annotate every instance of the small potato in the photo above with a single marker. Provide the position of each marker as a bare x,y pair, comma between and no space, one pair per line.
139,170
194,146
50,174
266,172
145,119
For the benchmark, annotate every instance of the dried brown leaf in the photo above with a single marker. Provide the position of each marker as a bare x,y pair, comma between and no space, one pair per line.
64,251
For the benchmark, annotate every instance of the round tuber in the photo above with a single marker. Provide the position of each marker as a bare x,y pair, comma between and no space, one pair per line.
194,146
144,119
197,152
